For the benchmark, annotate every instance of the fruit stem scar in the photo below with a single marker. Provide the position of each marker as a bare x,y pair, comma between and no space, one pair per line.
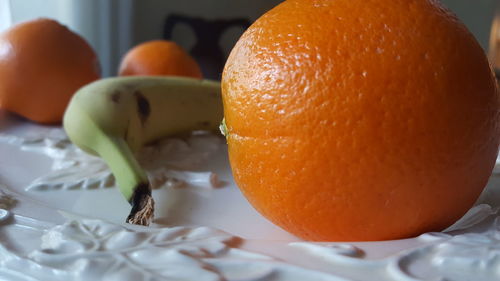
223,128
142,205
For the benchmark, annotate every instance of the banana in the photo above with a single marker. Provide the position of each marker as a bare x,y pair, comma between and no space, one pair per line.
114,117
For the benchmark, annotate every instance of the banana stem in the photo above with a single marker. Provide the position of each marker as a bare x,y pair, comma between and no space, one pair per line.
131,178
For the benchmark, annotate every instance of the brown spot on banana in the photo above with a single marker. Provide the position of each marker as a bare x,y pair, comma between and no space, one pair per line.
125,134
143,107
115,96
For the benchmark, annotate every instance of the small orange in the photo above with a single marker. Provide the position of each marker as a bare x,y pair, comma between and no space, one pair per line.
159,57
355,120
42,64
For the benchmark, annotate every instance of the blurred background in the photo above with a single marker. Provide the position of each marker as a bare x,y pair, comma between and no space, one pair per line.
206,28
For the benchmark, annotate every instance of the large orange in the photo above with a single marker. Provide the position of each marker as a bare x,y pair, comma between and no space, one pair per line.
360,120
159,57
42,64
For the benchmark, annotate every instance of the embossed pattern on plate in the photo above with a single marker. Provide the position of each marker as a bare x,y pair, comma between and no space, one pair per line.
46,236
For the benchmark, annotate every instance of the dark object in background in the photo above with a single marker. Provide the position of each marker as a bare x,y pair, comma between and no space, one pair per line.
207,50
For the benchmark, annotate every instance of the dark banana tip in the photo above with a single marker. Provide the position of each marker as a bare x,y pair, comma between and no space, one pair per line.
143,206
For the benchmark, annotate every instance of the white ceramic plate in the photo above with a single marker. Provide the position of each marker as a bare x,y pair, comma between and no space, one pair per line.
61,219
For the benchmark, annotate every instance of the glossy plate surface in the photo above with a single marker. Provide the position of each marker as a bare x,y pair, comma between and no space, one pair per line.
61,219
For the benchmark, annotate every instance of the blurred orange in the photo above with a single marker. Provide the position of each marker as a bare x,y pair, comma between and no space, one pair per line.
159,57
42,63
360,120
